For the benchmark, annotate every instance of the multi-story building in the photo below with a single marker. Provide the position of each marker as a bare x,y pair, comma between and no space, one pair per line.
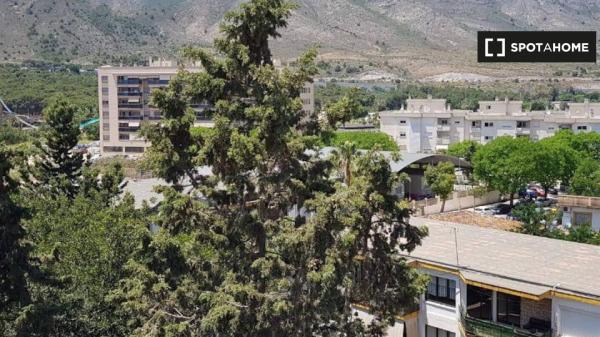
488,282
429,125
124,100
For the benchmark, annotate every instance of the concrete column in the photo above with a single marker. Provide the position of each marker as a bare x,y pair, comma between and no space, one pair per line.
494,306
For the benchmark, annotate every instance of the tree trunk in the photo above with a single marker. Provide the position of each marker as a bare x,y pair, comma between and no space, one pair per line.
443,205
511,196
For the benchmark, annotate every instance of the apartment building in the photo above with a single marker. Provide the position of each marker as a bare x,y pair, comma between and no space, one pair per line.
429,125
124,100
488,282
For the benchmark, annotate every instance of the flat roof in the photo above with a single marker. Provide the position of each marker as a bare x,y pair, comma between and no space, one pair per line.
524,263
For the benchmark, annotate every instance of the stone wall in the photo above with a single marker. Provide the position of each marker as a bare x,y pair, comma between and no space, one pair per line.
536,309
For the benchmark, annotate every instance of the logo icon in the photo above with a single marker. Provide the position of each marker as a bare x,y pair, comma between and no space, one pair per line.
502,42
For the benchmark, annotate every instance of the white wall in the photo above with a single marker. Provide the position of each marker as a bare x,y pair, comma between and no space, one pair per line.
575,319
440,315
568,216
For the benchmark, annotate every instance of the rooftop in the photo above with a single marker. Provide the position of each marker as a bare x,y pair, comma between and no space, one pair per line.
528,264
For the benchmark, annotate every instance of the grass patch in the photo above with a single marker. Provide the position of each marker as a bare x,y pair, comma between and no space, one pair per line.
364,140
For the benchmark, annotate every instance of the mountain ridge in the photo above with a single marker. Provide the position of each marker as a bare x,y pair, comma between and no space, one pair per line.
408,34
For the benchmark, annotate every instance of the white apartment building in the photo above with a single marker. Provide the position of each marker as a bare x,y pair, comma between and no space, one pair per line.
429,125
488,282
124,95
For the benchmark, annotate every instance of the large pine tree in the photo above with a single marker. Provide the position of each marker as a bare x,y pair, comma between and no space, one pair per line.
275,246
14,251
59,168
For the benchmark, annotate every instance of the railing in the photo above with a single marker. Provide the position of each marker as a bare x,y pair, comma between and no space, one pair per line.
130,106
129,93
483,328
158,82
134,118
131,81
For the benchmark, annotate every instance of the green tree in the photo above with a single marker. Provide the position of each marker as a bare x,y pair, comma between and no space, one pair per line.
505,164
465,149
343,158
441,179
275,247
59,168
343,110
14,251
547,165
586,179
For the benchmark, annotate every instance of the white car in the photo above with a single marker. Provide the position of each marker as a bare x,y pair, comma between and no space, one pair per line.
485,210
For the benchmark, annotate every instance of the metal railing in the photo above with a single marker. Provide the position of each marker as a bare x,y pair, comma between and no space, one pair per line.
482,328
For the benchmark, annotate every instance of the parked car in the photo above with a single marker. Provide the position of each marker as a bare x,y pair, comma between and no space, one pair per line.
485,210
552,191
502,209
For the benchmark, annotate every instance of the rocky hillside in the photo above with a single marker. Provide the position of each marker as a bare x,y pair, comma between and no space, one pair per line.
409,34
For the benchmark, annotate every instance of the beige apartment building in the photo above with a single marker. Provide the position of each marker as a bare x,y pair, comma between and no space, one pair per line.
430,125
124,95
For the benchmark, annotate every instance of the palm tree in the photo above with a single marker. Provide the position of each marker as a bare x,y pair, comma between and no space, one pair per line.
343,157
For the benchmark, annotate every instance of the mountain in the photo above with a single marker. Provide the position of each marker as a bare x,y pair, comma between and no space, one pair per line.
424,37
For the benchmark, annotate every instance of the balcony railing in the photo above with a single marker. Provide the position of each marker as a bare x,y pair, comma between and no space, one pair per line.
130,81
130,93
483,328
133,118
130,106
158,82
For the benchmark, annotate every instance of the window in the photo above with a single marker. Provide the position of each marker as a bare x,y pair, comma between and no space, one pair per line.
443,122
104,91
105,126
582,127
113,149
489,107
441,290
437,332
582,218
402,122
488,124
474,124
509,309
456,122
479,303
522,124
134,149
104,79
123,125
123,136
402,134
106,137
489,137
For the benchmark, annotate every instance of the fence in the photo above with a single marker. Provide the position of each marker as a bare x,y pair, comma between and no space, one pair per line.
457,201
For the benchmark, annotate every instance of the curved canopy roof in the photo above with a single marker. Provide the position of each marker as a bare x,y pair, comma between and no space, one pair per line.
407,159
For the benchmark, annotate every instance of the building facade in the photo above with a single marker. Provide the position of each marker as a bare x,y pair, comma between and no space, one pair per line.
430,125
487,282
580,210
124,100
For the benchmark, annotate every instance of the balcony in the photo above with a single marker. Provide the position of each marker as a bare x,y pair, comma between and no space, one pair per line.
133,118
130,93
130,106
445,128
481,328
158,82
129,82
